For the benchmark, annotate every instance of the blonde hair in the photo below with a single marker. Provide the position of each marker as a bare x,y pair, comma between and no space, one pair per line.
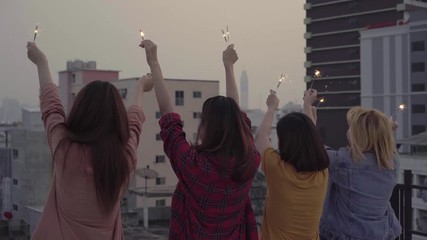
371,131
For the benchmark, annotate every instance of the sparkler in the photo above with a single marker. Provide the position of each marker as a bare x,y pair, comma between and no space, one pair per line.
401,108
36,30
226,35
321,100
317,74
142,34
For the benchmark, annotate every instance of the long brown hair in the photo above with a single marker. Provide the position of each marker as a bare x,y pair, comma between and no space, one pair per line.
98,119
300,143
224,132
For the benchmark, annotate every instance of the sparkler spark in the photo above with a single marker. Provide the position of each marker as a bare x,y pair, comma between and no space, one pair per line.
317,74
321,100
226,35
36,30
400,108
283,78
142,34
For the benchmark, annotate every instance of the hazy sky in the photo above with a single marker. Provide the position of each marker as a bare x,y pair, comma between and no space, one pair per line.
268,37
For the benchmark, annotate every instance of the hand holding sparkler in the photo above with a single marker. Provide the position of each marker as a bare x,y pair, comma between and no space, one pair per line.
150,52
229,56
272,101
35,55
310,97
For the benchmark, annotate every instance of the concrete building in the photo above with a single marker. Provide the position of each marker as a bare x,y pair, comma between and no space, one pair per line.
393,71
31,170
188,97
11,111
32,119
333,48
244,91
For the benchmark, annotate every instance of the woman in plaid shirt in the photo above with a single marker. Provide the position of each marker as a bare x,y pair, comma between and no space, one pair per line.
211,200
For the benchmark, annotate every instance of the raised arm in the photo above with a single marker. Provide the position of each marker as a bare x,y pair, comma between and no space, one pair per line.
310,96
162,94
39,59
262,137
229,57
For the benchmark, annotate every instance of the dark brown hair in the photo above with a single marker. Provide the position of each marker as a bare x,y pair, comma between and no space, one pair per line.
300,143
224,132
99,120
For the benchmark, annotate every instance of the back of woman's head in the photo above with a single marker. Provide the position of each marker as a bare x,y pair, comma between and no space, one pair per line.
224,132
99,120
371,131
300,143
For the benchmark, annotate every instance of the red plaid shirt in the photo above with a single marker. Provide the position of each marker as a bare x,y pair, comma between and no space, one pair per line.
205,204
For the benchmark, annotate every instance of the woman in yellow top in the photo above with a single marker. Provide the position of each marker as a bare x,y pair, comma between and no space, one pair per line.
296,173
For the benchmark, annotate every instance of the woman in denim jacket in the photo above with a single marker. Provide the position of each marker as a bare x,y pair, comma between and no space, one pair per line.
361,181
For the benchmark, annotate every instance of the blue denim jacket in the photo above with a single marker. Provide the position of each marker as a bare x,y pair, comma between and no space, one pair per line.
357,205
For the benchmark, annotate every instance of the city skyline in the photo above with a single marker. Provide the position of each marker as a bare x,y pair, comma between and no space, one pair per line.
188,36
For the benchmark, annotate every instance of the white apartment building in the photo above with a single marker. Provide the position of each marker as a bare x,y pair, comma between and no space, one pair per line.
188,97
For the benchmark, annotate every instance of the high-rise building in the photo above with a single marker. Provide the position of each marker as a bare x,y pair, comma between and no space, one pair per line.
244,91
333,52
393,70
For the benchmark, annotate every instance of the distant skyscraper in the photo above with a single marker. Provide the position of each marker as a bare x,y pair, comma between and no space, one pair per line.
244,90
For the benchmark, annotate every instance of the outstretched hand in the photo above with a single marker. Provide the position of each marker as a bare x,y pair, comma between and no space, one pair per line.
310,96
150,51
229,55
272,100
35,54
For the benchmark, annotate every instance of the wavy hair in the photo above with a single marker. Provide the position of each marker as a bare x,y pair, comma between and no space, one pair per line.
371,131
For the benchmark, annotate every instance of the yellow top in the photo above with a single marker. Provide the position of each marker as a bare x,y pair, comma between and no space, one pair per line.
294,201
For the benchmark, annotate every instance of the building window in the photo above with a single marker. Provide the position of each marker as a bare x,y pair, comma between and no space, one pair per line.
158,138
197,114
160,159
15,181
197,94
15,207
418,108
15,153
73,76
353,20
160,203
352,5
416,129
179,98
160,181
417,46
158,115
418,67
123,92
418,87
73,96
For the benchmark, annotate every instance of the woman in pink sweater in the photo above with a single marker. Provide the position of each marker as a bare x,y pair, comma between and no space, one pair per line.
93,155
